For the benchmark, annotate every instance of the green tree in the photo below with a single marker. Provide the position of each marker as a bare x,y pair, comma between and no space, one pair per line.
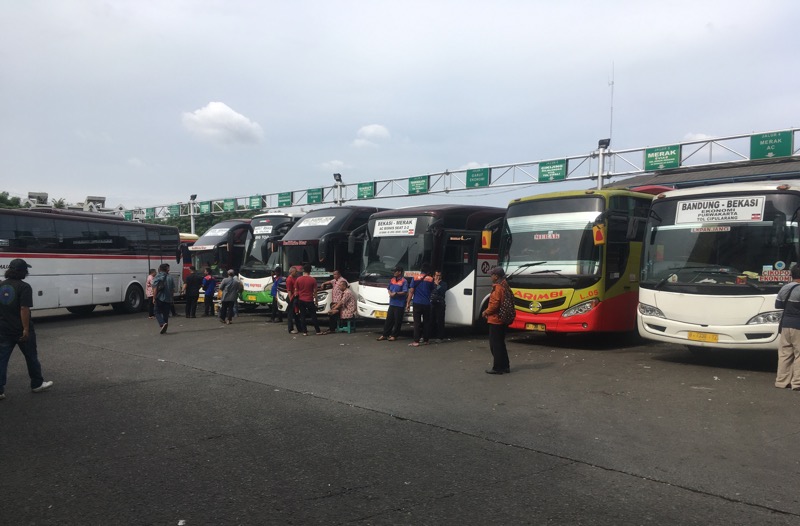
59,203
9,202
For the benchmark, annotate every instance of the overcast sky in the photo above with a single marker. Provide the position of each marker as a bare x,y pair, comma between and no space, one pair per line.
147,102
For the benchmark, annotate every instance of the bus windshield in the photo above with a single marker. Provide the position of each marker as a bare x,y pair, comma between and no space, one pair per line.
396,242
731,243
299,255
552,236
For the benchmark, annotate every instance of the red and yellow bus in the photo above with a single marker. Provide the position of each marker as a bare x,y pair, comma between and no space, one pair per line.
572,259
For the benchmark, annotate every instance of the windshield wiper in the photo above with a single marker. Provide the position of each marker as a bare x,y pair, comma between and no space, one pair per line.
546,271
525,265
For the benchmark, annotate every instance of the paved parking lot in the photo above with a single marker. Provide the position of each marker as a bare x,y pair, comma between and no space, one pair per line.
246,424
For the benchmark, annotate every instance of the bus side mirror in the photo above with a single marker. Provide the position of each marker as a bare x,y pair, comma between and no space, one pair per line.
486,239
635,228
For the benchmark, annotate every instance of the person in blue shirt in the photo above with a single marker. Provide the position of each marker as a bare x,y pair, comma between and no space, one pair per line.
277,281
419,296
210,287
398,290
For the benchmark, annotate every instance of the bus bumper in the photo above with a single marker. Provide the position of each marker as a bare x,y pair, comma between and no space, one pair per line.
742,337
256,297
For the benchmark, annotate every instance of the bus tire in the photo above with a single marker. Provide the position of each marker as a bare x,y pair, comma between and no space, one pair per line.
133,302
81,310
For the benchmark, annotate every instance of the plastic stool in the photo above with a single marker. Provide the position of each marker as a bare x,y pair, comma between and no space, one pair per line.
348,325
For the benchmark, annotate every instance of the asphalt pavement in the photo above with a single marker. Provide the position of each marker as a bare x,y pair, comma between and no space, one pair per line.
247,424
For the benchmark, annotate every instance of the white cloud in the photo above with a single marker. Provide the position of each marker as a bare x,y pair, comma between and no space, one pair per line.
691,136
370,135
472,165
334,166
136,162
218,123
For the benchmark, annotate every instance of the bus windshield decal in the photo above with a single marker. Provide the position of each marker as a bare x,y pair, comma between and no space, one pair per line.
727,209
395,227
315,221
267,229
216,232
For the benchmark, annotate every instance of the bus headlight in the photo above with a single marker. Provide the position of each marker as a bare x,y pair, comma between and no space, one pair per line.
361,299
321,296
581,308
649,310
766,317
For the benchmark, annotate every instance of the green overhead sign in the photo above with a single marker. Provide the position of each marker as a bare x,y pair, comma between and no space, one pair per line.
255,202
229,205
174,210
366,190
771,145
418,185
314,196
550,171
149,213
205,207
128,214
285,199
662,158
477,177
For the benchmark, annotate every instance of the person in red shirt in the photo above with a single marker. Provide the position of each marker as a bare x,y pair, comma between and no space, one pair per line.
305,288
291,301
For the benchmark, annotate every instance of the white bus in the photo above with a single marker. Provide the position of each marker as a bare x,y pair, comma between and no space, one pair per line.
446,236
255,272
82,259
321,238
713,261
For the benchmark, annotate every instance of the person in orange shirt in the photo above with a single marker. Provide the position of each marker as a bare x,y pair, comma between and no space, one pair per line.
497,329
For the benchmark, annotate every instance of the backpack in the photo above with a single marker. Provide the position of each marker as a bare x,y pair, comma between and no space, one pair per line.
507,312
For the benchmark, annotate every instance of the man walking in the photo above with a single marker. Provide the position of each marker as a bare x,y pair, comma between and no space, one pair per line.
163,296
16,326
230,289
191,291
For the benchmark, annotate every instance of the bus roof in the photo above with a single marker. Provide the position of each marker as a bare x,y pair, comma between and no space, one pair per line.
608,192
755,186
319,222
185,236
453,215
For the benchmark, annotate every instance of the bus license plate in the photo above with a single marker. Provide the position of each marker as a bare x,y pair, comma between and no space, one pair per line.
709,337
380,314
535,327
251,297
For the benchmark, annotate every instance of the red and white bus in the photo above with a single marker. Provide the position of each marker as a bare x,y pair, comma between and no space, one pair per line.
82,259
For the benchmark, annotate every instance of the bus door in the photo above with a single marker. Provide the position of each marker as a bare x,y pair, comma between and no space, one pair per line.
459,260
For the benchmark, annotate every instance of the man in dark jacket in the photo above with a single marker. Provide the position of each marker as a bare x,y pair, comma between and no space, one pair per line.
191,291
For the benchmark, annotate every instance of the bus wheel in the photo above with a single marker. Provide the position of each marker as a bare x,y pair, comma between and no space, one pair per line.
82,310
134,301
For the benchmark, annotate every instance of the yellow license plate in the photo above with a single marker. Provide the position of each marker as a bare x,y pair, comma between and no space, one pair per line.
250,297
709,337
535,327
380,314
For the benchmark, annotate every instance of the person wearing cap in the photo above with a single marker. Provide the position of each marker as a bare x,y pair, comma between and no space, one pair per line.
163,293
497,329
16,326
398,291
230,289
